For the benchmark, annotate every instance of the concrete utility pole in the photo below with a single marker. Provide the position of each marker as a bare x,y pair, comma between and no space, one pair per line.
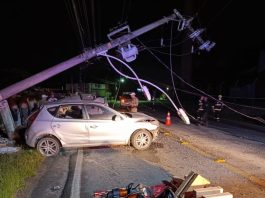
48,73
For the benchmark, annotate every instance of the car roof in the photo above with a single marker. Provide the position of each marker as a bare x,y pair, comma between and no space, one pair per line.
77,100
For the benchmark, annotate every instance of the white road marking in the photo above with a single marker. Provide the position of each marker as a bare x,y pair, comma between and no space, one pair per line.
75,190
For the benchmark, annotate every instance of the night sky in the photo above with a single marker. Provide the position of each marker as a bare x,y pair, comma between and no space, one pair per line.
36,35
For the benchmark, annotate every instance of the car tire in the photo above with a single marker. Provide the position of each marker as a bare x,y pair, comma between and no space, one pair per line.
48,146
141,139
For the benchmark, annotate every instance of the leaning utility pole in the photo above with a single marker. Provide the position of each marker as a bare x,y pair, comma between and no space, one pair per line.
48,73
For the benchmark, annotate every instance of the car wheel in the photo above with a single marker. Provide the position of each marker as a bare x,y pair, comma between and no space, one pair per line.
48,146
141,139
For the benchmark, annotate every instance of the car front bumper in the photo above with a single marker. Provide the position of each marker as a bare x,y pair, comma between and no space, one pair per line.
155,133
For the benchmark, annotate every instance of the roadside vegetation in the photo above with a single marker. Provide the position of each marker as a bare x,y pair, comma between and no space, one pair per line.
15,168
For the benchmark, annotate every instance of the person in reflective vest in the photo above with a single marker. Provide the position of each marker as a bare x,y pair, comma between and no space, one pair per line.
202,111
217,108
134,102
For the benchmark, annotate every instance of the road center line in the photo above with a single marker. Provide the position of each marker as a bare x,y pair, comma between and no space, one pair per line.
75,190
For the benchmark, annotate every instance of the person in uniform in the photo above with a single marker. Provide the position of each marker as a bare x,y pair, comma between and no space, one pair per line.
217,108
134,103
202,111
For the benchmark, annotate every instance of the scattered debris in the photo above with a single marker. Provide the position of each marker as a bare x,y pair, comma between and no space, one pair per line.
193,186
55,188
9,149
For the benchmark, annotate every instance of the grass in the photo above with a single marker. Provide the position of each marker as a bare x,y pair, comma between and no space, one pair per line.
15,168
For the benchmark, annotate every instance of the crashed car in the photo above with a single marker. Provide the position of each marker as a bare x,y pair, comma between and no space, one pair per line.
83,123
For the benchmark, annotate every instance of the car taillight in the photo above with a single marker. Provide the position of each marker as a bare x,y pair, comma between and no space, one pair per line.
32,117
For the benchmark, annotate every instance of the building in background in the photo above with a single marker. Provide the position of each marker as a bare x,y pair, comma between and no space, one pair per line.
99,89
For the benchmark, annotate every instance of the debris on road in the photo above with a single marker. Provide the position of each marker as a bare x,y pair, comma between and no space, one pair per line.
193,186
9,149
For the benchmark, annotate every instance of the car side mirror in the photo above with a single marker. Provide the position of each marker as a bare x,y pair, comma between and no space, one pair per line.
116,118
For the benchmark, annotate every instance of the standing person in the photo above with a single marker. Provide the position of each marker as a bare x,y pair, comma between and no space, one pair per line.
24,110
43,99
134,102
217,108
31,102
202,112
15,111
52,98
205,113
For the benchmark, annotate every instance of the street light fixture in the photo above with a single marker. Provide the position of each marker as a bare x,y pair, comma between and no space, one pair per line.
122,80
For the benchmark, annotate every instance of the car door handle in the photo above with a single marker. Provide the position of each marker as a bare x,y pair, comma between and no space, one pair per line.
93,126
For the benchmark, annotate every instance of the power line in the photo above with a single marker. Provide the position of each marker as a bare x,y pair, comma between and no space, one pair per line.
72,18
204,93
80,30
84,5
92,3
219,13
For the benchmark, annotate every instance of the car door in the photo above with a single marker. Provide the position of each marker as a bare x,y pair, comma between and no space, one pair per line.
103,128
70,125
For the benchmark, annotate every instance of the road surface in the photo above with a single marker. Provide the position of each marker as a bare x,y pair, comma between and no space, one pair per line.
229,156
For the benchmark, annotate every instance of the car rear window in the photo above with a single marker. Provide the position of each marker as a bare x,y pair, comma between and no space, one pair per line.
52,110
32,117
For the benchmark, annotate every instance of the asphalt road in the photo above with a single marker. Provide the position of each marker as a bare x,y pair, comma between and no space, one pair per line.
229,156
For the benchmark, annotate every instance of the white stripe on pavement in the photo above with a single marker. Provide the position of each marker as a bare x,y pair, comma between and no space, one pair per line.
75,190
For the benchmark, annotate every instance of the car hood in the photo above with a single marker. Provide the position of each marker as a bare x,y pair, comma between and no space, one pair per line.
140,117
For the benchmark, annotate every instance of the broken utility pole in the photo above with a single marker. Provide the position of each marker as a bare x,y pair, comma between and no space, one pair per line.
48,73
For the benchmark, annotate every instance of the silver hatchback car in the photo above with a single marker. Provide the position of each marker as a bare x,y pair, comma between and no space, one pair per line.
85,124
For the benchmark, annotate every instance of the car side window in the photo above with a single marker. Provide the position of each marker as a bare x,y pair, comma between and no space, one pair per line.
70,112
52,110
99,113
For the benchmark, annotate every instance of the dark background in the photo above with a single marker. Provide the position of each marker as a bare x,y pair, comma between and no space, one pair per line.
36,35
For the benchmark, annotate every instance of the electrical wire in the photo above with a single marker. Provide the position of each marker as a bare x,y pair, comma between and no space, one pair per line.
93,21
178,55
201,6
219,13
137,78
123,10
132,78
78,25
171,70
165,46
226,102
72,18
84,6
165,65
116,96
246,106
243,98
200,91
